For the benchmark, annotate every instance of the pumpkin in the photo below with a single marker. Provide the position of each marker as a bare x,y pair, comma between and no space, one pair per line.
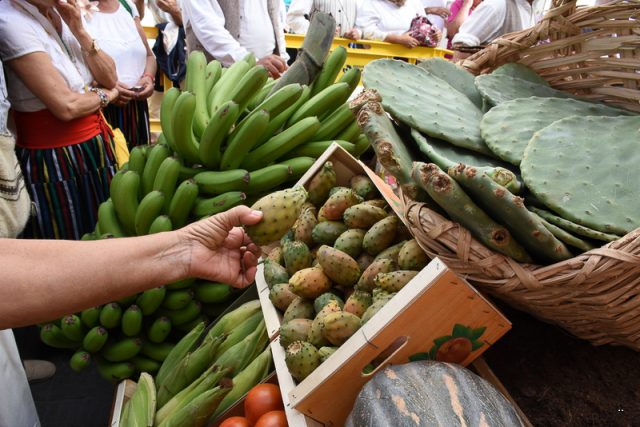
428,393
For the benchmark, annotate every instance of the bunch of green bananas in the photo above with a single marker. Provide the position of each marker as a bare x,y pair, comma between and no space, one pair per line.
203,375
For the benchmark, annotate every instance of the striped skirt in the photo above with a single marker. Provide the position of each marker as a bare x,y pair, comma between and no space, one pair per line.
132,119
67,185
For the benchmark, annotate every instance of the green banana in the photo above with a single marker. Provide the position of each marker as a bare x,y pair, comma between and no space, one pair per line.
180,284
279,101
243,139
334,124
157,155
137,159
248,85
186,327
211,75
127,301
95,339
115,371
167,179
177,300
222,91
178,352
71,326
90,316
217,204
108,219
268,178
184,315
350,133
159,329
183,200
210,292
185,141
80,360
145,364
196,84
282,143
149,301
215,133
51,335
327,99
330,70
279,121
351,77
219,182
121,350
188,172
142,405
148,210
316,148
124,194
110,315
166,114
361,145
161,224
132,321
158,352
261,95
298,166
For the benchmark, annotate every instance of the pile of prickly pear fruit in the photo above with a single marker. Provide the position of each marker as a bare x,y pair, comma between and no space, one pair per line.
521,165
345,256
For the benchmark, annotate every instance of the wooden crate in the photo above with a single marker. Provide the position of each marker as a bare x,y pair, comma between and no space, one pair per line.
435,307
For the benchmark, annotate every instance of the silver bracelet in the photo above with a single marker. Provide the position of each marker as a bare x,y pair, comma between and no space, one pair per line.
104,99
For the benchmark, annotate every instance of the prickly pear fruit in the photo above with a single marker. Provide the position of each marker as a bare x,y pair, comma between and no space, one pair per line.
394,280
380,235
304,226
412,257
363,216
364,261
309,205
358,302
294,330
337,203
338,266
350,242
280,211
326,232
325,352
275,255
289,236
281,296
363,186
274,273
373,309
315,334
320,302
365,283
299,308
301,358
338,327
379,203
380,294
391,252
334,190
296,256
321,184
309,282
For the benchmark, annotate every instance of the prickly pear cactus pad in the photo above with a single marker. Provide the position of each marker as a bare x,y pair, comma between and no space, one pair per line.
497,89
520,71
508,127
586,170
456,76
425,102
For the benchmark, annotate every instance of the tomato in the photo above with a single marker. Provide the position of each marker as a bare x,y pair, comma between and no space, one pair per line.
272,419
260,400
235,422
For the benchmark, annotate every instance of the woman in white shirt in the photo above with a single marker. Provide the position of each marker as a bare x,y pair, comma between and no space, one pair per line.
64,146
116,26
388,20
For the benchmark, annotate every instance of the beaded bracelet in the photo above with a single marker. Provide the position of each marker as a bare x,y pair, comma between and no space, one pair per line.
104,99
153,78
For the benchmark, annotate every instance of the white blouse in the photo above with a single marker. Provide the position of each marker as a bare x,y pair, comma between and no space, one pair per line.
23,30
117,35
379,18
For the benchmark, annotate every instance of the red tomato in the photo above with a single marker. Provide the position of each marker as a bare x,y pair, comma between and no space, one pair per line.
235,422
272,419
260,400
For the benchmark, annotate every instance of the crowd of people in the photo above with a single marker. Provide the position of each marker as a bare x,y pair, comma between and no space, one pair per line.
73,72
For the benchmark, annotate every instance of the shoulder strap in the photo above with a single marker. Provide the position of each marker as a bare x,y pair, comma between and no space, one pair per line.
126,5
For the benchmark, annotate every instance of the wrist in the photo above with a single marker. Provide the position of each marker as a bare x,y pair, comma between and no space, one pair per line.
148,76
102,96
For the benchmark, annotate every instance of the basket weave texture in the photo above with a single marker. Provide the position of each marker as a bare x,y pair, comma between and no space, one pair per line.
593,52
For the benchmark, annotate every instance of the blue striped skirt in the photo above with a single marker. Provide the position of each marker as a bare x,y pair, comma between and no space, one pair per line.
132,119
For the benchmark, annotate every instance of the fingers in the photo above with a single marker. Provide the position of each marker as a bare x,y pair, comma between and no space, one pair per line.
240,215
280,63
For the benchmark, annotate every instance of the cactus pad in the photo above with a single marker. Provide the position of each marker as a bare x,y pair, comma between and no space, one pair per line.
573,227
458,77
508,127
585,169
498,88
426,102
520,71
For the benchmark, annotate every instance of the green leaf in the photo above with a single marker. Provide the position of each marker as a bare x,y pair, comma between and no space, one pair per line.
461,331
477,333
433,352
441,340
419,356
476,345
368,369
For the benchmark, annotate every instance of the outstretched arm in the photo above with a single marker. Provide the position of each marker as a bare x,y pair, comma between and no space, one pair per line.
45,279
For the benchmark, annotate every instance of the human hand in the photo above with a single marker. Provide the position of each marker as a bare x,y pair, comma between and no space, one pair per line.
169,6
125,94
405,40
112,94
353,34
70,12
220,250
274,64
147,87
442,12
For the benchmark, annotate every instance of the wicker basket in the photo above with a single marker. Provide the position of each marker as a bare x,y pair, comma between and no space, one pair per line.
595,296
